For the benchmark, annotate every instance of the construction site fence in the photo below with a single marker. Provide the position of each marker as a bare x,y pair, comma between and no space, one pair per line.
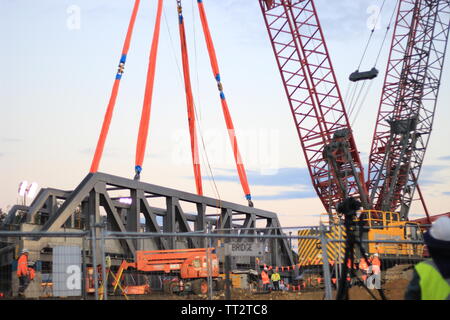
61,264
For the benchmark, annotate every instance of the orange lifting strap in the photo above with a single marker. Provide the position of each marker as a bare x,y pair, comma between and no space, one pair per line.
146,107
115,90
226,112
189,101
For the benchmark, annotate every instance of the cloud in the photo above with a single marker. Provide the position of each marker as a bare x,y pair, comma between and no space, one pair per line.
1,154
288,195
446,193
416,215
429,182
429,169
283,177
445,158
431,174
11,140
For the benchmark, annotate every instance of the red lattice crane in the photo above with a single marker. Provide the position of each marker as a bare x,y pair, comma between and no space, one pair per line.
409,100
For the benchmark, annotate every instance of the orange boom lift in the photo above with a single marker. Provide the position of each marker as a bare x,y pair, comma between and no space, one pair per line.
189,268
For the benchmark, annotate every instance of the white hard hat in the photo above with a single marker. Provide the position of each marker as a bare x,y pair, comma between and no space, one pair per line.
25,251
440,229
376,254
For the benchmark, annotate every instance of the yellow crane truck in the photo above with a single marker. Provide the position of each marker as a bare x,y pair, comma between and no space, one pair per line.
381,226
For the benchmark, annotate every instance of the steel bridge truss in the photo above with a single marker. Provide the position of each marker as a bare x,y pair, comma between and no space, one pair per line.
149,208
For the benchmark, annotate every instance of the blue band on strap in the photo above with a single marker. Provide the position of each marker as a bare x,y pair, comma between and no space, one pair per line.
248,196
218,77
222,95
123,58
118,76
138,169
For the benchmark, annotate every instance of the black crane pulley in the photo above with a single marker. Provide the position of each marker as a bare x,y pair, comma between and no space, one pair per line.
365,75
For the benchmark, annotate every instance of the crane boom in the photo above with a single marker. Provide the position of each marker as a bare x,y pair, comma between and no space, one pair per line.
315,100
408,102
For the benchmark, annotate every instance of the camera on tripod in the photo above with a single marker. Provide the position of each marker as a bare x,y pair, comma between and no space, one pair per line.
348,207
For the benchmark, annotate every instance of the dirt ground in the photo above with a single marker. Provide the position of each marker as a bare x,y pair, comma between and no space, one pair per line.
394,290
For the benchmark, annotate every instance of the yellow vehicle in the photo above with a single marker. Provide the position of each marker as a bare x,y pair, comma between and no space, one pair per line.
381,226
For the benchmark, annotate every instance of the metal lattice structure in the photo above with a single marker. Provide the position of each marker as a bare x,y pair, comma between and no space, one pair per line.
314,98
151,208
408,102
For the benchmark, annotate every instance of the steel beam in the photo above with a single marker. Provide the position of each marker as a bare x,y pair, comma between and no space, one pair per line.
94,195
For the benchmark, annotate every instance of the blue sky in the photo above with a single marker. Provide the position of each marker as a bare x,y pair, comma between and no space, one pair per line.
56,83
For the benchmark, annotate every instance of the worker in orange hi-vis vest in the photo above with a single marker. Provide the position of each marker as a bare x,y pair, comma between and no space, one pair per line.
22,271
265,279
31,271
376,264
364,267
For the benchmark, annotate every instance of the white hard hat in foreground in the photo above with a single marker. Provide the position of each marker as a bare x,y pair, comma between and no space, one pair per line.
440,229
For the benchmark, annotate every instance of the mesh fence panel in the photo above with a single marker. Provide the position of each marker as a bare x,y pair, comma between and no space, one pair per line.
72,268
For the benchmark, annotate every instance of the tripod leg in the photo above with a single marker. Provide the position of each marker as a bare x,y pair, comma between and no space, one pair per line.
343,285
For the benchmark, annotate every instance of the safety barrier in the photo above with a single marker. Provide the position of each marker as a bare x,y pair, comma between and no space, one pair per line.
61,265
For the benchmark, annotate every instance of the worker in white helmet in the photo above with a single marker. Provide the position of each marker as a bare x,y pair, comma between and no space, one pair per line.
265,279
22,271
431,278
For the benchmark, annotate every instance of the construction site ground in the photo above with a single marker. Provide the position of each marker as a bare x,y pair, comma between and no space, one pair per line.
395,282
393,290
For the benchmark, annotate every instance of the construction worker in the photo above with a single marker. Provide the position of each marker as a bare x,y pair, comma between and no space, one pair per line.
431,278
265,279
22,271
276,280
364,267
376,264
31,271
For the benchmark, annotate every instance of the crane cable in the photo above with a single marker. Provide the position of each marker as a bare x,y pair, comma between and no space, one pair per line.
189,100
204,155
112,100
146,107
198,114
376,62
371,35
354,88
229,123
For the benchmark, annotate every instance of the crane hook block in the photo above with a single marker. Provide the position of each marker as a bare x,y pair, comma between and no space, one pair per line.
366,75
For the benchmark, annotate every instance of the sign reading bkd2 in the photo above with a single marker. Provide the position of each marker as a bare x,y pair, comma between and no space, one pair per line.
244,249
66,271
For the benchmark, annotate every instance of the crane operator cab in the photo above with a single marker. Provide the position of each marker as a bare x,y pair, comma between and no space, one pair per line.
366,75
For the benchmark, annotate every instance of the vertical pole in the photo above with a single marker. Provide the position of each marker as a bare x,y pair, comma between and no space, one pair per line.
208,257
94,255
227,273
339,268
84,273
290,240
326,266
102,250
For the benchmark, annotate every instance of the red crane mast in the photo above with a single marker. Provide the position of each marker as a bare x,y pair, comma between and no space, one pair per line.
406,110
315,100
408,102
